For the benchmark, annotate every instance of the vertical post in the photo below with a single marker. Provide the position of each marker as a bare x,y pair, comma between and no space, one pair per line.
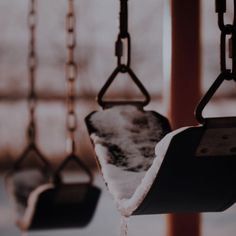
184,87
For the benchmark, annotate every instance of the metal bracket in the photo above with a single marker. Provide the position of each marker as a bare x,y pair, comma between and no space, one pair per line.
219,138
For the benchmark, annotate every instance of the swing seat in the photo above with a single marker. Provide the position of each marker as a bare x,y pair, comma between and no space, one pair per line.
22,180
62,206
124,138
183,177
59,205
130,135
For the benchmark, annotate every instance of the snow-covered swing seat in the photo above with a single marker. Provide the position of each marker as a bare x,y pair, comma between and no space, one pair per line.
124,136
150,171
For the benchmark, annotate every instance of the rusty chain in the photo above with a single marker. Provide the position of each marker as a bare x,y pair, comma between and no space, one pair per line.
227,30
32,66
71,75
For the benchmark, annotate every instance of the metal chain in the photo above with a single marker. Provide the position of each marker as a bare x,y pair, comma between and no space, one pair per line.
32,66
123,43
71,75
227,30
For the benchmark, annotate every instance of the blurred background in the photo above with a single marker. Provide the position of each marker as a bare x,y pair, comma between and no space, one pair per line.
97,27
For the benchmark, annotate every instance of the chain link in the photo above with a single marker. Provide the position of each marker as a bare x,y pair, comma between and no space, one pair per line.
71,75
32,66
227,30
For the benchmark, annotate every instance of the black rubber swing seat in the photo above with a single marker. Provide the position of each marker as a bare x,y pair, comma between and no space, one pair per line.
194,176
58,207
44,202
65,205
22,180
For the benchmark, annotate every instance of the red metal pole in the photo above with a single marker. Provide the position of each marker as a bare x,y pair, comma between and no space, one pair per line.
184,88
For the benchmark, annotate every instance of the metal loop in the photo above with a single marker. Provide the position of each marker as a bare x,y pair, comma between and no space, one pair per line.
226,28
70,22
71,40
223,52
226,75
71,121
123,69
123,56
221,23
32,61
32,132
32,15
71,71
70,143
32,19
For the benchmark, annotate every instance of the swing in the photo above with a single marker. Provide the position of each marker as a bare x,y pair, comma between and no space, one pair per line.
61,204
123,133
52,203
22,181
66,205
194,168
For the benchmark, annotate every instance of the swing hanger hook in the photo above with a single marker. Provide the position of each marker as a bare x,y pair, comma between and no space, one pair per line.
71,117
123,54
226,73
123,43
